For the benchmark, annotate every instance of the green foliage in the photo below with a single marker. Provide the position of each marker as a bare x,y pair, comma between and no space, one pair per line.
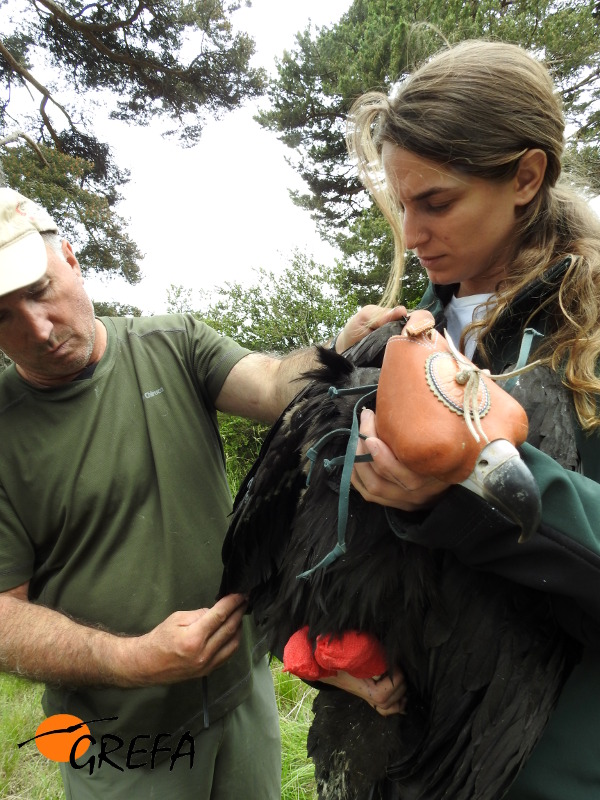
102,309
163,58
370,248
242,440
84,214
303,305
373,45
169,59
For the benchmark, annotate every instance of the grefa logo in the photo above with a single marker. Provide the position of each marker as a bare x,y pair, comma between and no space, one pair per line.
148,395
66,738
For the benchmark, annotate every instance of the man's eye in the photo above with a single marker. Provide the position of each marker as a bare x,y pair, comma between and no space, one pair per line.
41,291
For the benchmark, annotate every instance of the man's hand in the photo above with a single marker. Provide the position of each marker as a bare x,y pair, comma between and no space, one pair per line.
386,695
188,644
365,320
385,480
45,645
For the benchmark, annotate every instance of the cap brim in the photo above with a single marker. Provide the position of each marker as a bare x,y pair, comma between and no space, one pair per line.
22,262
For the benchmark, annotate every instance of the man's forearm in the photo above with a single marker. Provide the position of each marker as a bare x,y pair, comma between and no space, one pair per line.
260,386
45,645
290,377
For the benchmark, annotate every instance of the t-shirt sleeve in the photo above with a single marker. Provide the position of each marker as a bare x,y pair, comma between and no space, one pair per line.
213,355
16,548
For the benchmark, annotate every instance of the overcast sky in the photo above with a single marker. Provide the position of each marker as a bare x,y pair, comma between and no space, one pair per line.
212,213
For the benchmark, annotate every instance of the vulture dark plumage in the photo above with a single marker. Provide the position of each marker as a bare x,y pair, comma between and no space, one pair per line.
484,659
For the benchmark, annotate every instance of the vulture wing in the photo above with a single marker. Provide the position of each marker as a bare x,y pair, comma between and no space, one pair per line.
550,411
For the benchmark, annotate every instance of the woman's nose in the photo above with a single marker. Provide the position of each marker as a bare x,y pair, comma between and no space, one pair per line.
414,229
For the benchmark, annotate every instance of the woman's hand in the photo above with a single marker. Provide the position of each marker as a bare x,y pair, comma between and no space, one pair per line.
385,480
387,695
366,320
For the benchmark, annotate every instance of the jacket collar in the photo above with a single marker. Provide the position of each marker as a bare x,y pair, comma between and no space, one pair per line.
504,341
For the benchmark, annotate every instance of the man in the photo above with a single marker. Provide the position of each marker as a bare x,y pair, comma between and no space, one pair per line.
113,505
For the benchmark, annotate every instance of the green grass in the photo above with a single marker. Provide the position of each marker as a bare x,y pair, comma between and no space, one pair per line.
27,775
294,700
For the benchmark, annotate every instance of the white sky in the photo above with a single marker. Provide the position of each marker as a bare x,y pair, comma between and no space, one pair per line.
213,213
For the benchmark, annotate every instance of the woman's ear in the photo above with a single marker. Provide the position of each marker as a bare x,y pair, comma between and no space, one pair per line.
530,175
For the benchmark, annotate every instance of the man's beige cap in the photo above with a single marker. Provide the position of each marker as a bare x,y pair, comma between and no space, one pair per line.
23,257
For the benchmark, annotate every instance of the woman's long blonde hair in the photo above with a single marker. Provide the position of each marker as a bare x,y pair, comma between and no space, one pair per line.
477,108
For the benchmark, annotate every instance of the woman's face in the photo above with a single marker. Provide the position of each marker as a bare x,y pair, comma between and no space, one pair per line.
461,228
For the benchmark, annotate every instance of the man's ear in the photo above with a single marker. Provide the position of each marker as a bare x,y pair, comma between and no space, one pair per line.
530,175
70,256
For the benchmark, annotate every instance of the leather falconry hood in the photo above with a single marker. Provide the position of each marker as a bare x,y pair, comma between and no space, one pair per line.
435,409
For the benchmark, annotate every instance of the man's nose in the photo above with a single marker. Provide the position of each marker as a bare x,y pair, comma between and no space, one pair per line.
38,326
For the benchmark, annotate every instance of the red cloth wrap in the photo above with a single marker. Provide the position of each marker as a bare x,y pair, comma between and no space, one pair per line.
355,652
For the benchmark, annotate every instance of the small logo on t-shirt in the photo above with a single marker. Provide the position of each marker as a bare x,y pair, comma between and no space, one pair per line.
153,393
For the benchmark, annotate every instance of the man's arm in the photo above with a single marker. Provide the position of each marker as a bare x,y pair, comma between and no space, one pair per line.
261,386
45,645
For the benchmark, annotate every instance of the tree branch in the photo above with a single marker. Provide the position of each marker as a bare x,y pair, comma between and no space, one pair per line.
571,90
29,78
58,11
12,137
87,31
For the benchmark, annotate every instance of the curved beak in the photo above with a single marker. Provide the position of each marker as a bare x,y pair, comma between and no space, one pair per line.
501,478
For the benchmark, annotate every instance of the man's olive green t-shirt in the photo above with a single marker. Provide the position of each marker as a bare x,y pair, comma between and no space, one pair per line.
114,504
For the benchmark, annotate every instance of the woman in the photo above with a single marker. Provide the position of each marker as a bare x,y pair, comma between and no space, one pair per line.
464,160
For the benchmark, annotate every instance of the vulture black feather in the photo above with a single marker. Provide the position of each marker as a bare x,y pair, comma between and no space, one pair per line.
483,659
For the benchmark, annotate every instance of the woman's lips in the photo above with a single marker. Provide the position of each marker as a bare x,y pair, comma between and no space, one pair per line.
429,261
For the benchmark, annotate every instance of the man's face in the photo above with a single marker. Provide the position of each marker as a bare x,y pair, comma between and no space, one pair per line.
48,328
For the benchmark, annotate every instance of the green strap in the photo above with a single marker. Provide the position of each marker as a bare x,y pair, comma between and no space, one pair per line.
347,461
526,343
313,451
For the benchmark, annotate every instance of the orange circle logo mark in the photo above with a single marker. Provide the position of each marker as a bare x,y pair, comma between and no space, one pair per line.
56,736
